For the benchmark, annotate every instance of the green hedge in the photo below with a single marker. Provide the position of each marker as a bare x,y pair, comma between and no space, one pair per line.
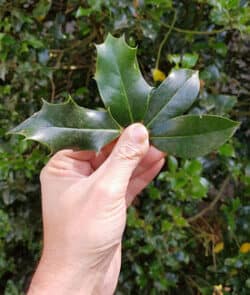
189,232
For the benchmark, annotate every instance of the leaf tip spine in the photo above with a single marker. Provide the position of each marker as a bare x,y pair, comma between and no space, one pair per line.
70,100
44,101
124,42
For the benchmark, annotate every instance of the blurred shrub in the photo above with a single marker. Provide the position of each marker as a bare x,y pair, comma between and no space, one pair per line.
189,231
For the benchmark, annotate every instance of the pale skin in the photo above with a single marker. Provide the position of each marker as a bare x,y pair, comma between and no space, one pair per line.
85,196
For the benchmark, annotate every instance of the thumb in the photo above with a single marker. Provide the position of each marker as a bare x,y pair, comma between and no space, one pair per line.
131,147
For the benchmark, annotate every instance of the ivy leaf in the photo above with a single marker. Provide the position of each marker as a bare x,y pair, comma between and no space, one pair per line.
67,125
119,80
173,97
192,136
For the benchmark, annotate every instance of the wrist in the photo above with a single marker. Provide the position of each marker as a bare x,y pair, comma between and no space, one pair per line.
57,278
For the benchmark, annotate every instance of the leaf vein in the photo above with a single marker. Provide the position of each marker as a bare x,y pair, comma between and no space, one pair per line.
165,105
192,135
123,88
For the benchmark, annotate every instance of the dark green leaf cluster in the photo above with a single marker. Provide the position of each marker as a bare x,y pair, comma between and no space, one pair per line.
128,99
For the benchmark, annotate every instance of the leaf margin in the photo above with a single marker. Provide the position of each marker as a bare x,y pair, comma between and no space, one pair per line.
233,128
18,131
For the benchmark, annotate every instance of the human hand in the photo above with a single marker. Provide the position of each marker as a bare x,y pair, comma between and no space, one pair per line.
84,200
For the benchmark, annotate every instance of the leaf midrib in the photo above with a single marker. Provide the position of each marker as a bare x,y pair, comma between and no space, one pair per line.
165,105
82,129
72,129
192,135
123,88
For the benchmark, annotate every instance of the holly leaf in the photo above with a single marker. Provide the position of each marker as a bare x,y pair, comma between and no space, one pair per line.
121,85
172,98
192,136
128,98
67,125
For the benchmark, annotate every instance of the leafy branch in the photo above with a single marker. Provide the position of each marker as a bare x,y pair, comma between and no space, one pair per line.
128,98
165,40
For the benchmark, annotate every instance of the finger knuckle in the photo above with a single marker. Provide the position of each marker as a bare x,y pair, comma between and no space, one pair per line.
128,152
58,156
105,189
102,188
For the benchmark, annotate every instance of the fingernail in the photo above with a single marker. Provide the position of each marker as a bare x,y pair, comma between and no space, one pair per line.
138,133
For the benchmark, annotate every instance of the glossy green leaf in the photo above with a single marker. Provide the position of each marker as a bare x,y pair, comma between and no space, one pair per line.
193,136
121,85
227,150
186,60
172,164
41,9
189,60
128,98
67,125
172,98
83,12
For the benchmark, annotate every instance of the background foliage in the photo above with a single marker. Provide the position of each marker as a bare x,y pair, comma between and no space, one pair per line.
189,232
